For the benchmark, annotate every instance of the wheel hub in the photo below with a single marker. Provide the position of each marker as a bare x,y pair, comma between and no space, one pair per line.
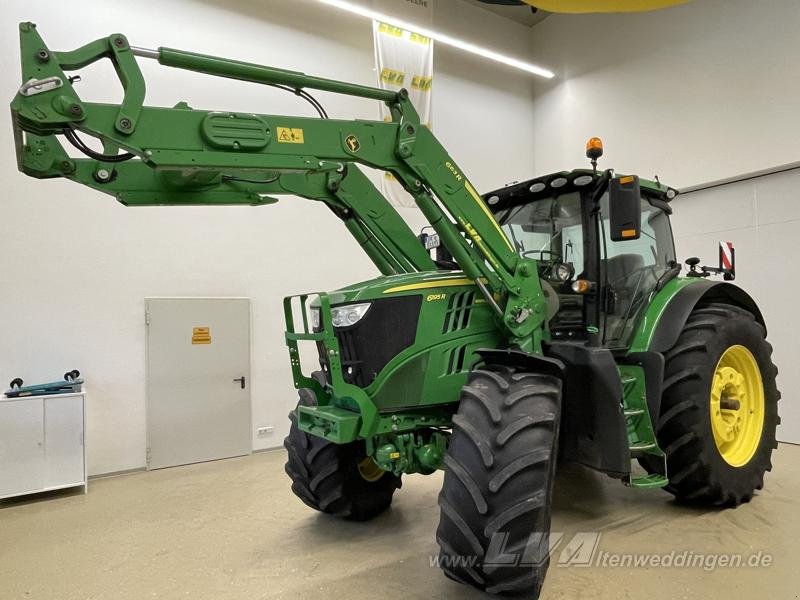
370,471
737,405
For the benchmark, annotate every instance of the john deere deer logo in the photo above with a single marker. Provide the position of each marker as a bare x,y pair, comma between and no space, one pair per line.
352,143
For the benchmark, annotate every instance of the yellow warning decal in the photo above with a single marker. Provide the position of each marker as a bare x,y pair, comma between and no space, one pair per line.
628,233
290,135
627,179
201,335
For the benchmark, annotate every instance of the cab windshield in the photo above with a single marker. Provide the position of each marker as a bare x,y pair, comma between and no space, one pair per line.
550,229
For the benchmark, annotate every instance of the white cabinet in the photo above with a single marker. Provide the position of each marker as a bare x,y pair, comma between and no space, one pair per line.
42,443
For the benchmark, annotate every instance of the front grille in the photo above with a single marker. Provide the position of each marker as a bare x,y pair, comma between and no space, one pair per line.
456,360
388,328
459,308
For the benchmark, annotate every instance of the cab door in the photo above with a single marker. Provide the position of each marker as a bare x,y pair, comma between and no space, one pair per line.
630,271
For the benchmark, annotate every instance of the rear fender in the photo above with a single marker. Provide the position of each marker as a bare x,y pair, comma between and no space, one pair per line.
670,310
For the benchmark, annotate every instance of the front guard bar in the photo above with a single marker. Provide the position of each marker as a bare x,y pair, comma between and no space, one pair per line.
328,419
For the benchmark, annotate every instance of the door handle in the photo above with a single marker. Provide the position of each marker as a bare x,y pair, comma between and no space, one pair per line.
241,380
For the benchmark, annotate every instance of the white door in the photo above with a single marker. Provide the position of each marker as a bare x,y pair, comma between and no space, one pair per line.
63,441
198,379
21,446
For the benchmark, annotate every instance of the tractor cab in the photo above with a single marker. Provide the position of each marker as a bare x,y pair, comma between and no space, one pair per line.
603,243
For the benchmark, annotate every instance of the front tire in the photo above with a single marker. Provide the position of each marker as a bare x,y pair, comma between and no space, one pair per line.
719,408
338,479
499,468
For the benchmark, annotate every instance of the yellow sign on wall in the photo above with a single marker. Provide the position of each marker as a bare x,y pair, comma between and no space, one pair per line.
201,335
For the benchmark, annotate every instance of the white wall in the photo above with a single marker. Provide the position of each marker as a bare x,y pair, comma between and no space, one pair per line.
760,217
75,266
694,93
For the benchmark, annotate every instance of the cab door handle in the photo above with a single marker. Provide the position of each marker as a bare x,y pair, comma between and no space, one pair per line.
242,381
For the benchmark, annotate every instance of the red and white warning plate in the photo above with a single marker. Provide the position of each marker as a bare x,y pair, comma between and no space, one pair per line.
726,255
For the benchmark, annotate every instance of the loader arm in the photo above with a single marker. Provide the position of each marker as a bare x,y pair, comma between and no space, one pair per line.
182,155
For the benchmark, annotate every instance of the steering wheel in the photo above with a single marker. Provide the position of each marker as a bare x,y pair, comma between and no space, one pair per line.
545,267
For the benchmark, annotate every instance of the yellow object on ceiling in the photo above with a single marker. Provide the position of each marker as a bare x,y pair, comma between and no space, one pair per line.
601,6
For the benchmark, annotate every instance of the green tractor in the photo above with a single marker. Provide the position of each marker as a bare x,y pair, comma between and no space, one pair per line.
545,320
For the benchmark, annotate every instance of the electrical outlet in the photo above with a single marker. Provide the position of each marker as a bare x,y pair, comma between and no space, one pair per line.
262,431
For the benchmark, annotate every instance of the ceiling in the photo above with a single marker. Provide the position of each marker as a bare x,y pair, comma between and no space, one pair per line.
520,14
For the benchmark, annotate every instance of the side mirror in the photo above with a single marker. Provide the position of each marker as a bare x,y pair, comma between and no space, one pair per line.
625,208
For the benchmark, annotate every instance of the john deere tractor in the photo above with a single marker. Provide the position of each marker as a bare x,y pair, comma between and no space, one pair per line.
542,321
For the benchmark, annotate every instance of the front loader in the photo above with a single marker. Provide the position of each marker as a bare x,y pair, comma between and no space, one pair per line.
551,323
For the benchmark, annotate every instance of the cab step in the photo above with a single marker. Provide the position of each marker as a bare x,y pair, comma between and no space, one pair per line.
642,447
654,480
633,412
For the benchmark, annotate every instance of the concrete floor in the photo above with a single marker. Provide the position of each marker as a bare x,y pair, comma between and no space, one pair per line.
232,530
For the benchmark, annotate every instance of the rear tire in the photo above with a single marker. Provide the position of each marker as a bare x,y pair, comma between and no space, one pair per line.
698,471
326,476
497,491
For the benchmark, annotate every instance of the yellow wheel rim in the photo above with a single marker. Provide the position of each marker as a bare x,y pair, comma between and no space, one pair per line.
369,470
737,406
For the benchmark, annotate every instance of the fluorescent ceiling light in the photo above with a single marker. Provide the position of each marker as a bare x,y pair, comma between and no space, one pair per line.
441,38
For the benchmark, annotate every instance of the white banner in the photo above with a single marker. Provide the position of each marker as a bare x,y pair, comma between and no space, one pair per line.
404,59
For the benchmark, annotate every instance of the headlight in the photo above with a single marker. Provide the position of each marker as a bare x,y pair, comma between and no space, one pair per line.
315,317
563,271
350,314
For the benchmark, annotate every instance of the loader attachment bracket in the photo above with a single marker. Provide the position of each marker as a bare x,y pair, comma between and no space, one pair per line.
44,70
